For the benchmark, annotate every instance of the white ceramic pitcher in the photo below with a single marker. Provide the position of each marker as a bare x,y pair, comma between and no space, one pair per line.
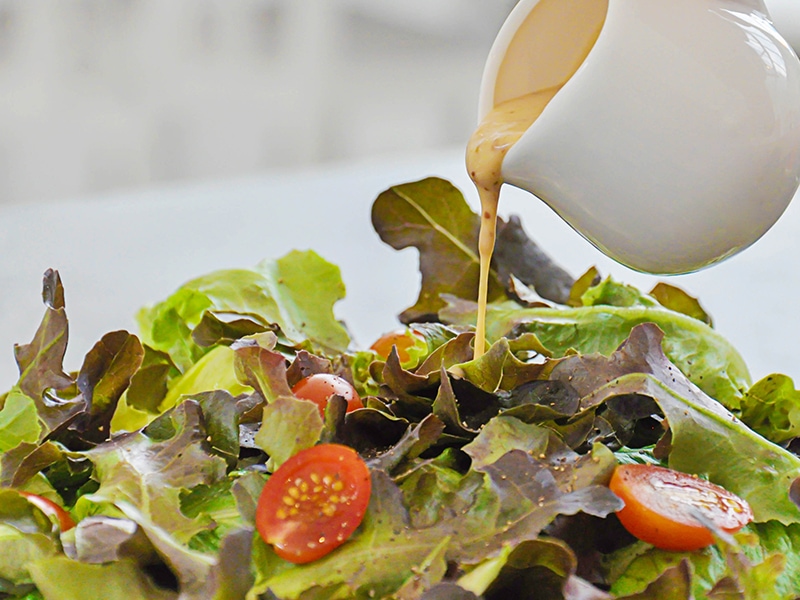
674,143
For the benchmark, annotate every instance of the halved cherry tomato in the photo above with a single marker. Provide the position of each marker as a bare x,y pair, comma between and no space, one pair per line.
402,339
321,386
314,502
659,504
52,510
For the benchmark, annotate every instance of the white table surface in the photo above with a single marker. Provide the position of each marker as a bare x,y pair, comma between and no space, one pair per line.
118,252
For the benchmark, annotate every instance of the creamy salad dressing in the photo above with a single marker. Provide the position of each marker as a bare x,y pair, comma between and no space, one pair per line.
487,147
565,30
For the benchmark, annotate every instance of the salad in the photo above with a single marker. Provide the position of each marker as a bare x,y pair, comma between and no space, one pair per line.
194,460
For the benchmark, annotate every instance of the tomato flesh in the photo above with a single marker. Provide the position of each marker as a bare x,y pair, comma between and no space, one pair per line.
660,503
53,511
319,388
314,502
401,339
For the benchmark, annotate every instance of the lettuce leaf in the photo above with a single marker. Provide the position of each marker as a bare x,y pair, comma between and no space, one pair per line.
19,421
768,551
145,472
294,295
25,536
40,362
60,578
772,408
433,216
706,358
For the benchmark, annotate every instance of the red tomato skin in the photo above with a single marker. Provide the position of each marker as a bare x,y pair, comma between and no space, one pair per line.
51,509
659,504
319,387
314,502
401,339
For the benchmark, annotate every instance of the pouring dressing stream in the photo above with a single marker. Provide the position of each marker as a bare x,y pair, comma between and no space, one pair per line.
505,124
667,134
487,147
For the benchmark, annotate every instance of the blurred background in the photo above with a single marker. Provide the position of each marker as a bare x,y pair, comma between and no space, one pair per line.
145,142
100,95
